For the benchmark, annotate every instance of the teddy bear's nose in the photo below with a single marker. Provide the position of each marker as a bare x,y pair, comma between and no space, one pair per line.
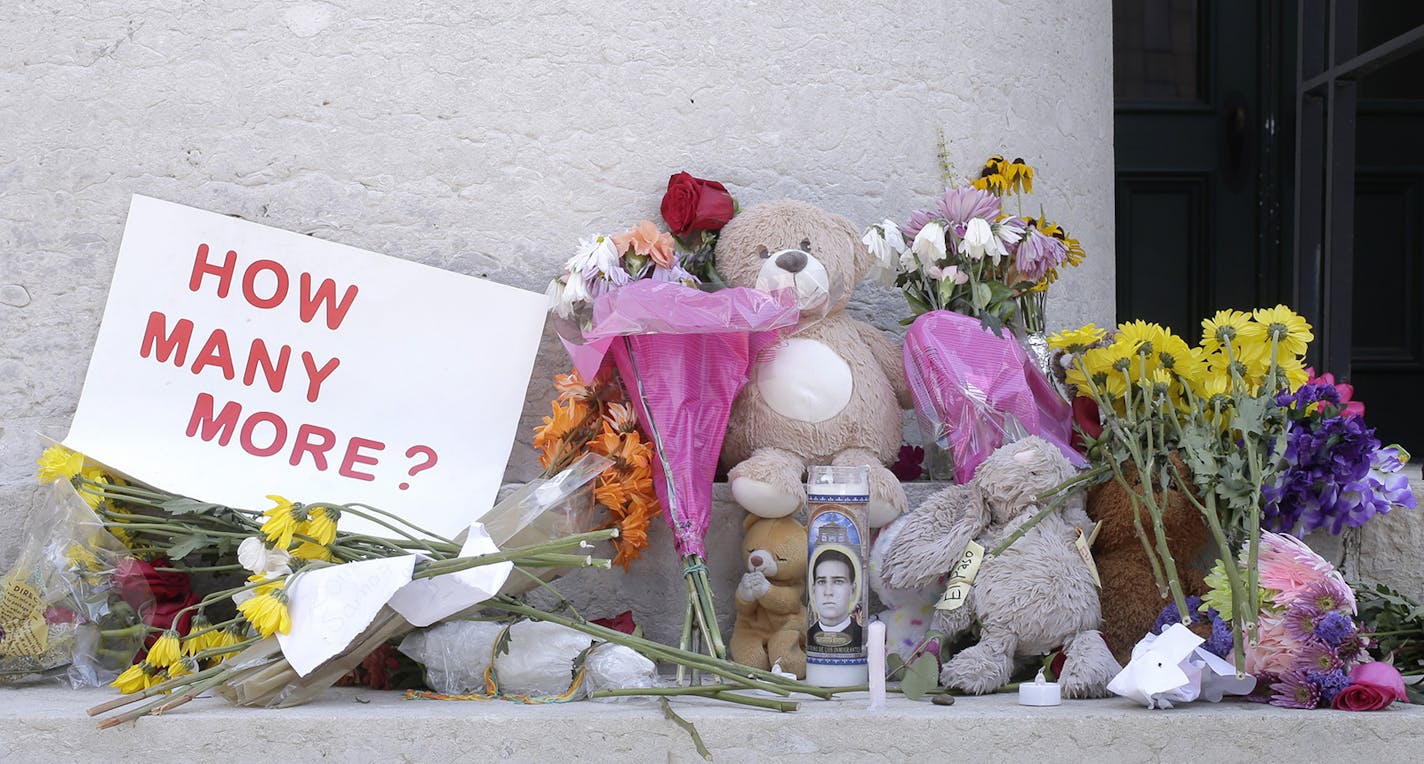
755,560
791,261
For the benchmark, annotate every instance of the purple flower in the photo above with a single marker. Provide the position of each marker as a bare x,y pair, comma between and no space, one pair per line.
1300,622
1295,690
1327,594
1037,253
1334,628
1221,640
1169,615
1318,658
1330,683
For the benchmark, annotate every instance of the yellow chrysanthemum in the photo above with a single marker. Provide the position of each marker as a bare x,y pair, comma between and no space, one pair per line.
267,612
1226,327
321,524
1076,341
59,463
91,496
1140,337
135,678
309,551
281,522
1291,332
166,650
202,636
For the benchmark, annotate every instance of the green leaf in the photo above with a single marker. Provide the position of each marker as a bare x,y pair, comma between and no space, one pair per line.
501,643
921,677
917,305
187,545
894,665
982,294
182,505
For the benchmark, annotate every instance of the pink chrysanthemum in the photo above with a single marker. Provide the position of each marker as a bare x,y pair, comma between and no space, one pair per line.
1287,565
1274,650
1300,621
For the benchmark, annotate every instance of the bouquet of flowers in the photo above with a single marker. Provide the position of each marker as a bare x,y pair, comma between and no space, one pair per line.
970,255
682,353
284,548
1225,408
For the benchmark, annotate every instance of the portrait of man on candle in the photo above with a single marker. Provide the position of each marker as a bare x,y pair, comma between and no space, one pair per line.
835,601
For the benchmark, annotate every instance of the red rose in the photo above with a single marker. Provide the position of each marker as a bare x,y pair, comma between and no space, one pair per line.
622,622
1362,696
692,204
139,581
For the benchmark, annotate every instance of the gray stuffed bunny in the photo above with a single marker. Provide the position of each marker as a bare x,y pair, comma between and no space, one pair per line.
1036,596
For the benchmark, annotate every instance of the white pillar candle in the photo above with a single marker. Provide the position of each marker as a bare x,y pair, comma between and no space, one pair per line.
875,659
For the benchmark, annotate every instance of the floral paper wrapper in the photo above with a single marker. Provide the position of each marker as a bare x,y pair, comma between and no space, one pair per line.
693,352
965,380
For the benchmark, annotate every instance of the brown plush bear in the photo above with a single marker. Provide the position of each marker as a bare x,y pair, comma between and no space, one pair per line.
771,608
1130,597
832,392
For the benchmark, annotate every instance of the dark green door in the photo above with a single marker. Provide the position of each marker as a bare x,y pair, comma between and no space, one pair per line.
1198,226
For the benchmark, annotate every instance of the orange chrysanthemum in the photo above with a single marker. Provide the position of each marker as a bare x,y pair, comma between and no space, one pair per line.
595,417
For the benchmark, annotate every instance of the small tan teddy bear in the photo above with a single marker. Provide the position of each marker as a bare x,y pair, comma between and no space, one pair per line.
829,394
771,608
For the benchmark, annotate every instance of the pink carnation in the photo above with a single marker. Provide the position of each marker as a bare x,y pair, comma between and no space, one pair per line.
1290,567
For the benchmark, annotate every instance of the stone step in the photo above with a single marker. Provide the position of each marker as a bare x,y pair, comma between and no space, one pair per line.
47,724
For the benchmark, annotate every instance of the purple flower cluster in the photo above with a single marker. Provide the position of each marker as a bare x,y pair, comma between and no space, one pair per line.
1337,473
1327,642
1220,641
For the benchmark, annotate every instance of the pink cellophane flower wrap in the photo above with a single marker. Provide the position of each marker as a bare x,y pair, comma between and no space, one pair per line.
692,351
964,380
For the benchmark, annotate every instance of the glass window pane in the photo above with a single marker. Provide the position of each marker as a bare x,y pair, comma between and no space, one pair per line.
1156,50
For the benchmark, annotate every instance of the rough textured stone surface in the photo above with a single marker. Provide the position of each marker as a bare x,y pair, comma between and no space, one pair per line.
486,138
45,725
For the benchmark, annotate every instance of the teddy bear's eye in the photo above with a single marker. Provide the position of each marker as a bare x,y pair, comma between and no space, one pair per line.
805,245
781,559
762,251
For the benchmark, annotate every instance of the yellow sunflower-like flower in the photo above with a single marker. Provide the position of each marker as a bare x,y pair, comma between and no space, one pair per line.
1019,175
321,524
267,612
306,550
1076,341
1225,328
281,522
59,463
992,177
166,650
136,678
1140,337
202,636
1291,332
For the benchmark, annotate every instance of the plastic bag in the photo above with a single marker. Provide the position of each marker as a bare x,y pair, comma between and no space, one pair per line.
455,654
61,612
967,383
618,667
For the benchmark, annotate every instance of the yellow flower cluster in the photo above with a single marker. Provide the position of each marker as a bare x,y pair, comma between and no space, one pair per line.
314,528
1001,178
1239,352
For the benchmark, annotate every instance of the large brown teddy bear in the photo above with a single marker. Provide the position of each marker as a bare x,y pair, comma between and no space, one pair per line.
833,391
1130,597
771,608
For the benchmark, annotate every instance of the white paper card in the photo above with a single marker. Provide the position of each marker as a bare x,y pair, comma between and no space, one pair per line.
331,606
427,600
1171,668
236,360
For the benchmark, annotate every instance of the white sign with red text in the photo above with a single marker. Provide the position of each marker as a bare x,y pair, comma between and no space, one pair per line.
236,360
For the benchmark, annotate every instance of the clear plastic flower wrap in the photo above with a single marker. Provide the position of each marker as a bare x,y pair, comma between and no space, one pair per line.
62,613
543,510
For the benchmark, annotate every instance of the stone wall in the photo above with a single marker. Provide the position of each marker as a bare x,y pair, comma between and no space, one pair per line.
485,138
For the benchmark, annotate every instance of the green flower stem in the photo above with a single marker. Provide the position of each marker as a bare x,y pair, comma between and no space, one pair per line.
399,519
1059,494
724,692
441,567
377,520
375,541
565,561
213,652
205,569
